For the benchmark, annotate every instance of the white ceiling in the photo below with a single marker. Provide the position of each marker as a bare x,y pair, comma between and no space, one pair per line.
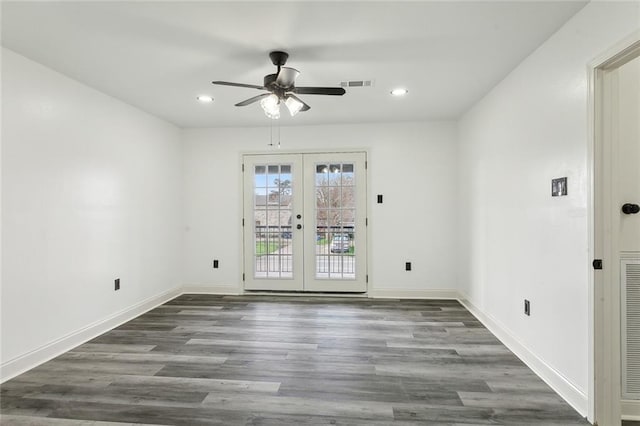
159,56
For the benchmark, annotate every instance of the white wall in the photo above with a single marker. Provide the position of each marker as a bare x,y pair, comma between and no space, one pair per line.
412,164
517,241
91,191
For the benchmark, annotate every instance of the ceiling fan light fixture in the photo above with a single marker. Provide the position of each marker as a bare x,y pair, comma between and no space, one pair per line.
271,106
293,105
280,87
205,98
400,91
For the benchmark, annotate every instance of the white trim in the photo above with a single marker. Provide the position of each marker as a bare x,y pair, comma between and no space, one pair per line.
221,290
305,281
620,49
630,410
278,151
302,294
591,242
241,229
32,359
390,293
603,404
574,396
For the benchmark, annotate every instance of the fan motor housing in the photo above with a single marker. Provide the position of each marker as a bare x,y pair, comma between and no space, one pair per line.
270,80
272,86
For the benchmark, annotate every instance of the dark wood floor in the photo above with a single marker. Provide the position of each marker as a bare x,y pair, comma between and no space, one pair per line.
263,360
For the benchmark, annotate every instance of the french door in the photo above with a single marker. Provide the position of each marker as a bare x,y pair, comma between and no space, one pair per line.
305,222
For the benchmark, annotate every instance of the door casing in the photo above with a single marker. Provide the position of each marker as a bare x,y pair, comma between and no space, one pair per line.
364,240
604,295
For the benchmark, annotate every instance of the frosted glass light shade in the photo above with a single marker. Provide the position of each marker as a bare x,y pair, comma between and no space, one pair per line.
271,106
294,106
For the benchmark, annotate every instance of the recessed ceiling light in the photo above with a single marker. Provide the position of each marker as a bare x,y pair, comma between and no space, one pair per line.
399,92
205,98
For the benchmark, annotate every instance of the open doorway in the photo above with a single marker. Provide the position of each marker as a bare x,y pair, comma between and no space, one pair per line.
616,236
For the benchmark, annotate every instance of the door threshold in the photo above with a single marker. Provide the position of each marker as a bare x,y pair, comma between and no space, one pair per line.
305,293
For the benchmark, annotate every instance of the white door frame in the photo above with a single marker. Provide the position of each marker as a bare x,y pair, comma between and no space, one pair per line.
604,300
363,261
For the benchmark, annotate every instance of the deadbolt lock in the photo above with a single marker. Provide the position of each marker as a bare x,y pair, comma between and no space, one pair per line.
629,208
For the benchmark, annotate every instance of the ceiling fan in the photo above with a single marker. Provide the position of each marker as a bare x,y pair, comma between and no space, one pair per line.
281,88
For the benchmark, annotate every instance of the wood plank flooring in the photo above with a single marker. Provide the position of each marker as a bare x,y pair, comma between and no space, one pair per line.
275,360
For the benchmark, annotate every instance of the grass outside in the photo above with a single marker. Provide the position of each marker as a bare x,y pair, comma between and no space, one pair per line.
262,247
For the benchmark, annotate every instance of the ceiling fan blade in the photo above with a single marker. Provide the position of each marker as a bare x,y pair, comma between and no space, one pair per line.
228,83
335,91
305,107
287,77
252,100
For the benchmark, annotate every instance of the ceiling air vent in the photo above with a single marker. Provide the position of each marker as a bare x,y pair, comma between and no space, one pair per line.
357,83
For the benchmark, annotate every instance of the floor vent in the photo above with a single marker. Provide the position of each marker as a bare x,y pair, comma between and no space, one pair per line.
630,280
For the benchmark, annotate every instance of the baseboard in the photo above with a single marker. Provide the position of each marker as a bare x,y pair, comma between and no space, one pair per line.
19,365
205,289
574,396
390,293
630,410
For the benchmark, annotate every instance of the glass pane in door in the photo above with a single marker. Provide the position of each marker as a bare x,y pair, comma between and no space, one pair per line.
272,211
335,210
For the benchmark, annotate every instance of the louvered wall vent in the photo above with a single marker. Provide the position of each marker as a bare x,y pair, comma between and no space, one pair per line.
357,83
630,277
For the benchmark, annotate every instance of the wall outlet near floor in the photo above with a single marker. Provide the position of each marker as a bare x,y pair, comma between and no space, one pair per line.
215,264
117,284
527,307
407,266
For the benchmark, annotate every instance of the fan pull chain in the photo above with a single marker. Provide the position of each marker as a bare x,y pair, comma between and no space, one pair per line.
270,133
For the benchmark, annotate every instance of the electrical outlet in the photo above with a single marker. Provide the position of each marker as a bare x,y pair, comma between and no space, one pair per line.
379,198
215,264
117,284
407,266
527,308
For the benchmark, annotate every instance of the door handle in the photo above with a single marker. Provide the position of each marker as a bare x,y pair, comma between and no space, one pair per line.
629,208
298,226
